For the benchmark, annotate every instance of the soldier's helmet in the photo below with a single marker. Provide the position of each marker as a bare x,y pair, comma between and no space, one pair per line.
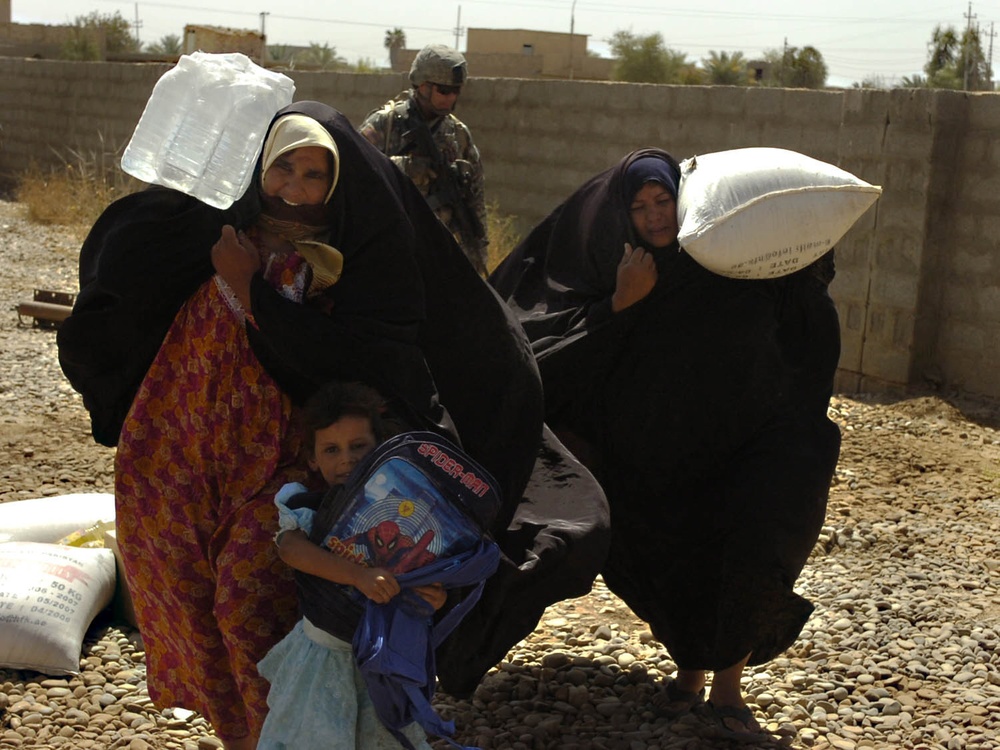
439,64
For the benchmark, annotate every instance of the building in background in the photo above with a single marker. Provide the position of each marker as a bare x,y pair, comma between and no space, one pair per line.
221,39
38,40
522,53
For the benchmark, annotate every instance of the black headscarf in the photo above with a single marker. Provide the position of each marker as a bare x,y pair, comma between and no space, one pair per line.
649,168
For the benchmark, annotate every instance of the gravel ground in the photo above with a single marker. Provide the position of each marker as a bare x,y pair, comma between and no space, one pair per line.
902,652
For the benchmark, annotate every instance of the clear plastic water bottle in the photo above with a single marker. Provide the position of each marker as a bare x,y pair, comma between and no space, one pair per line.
204,125
239,142
160,121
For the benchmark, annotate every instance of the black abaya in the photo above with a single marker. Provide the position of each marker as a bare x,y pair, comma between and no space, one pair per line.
702,411
409,316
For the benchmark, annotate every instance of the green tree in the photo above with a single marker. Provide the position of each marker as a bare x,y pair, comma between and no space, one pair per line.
955,62
796,68
323,56
88,31
875,81
944,46
82,44
646,59
280,54
395,40
725,69
168,45
916,81
365,65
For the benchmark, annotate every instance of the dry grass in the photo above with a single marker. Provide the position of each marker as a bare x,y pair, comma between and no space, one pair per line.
75,192
503,236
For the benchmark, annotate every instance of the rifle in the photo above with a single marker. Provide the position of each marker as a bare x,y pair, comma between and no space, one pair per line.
448,191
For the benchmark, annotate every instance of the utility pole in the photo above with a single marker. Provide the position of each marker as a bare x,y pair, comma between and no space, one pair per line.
965,47
458,26
989,59
137,25
572,16
263,38
784,62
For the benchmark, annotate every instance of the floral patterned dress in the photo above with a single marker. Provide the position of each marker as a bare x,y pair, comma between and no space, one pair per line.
205,447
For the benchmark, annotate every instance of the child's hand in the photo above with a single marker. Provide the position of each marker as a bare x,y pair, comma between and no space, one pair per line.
433,593
377,584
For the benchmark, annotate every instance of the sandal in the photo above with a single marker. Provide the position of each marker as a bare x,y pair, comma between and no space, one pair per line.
674,702
732,723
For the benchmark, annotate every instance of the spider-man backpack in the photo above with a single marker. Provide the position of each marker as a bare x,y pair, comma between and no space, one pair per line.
419,507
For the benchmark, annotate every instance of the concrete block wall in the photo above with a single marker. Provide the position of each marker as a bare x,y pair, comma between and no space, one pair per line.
51,108
918,283
965,231
859,146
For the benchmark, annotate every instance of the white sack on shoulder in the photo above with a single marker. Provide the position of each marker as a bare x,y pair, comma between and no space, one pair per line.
758,213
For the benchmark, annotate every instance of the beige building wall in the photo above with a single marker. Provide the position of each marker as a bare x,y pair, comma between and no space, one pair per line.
918,277
41,41
522,53
562,55
526,42
221,39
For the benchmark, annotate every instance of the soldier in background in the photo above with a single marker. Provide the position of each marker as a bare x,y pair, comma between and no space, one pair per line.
432,147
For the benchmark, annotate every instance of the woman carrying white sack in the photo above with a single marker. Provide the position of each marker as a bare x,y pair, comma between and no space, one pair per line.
700,403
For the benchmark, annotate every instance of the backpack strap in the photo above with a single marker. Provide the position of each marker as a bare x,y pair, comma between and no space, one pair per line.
395,642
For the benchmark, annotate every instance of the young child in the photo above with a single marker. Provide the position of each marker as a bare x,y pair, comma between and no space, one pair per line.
318,697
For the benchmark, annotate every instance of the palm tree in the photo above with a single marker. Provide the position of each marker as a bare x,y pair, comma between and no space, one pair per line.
725,69
916,81
281,54
957,62
945,47
168,45
395,40
323,56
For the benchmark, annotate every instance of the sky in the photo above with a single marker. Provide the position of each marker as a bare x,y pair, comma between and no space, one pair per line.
877,40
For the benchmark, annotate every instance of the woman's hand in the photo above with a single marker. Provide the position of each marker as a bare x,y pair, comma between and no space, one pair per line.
377,584
433,593
636,278
236,259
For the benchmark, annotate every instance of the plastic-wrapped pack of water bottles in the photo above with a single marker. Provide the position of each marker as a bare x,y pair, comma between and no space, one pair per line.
204,124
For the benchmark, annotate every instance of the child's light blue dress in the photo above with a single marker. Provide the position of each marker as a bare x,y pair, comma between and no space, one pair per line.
318,699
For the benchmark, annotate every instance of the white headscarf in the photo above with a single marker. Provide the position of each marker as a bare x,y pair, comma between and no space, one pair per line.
297,131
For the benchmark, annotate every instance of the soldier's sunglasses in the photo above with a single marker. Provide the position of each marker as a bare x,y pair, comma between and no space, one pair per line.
447,90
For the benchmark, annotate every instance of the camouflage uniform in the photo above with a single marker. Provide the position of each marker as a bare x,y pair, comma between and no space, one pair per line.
387,129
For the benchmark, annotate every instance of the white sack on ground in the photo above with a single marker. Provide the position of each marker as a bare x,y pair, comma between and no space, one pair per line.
49,519
49,595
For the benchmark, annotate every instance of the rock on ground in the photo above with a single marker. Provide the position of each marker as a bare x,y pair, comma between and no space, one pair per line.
902,651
